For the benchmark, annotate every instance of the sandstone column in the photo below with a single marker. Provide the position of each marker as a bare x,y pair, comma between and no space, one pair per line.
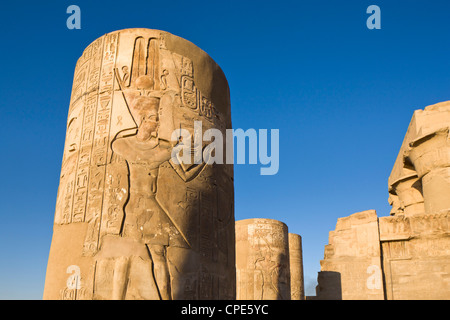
130,222
430,155
409,192
296,267
262,260
415,241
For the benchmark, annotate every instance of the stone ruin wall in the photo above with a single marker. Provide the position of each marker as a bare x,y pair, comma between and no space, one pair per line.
405,255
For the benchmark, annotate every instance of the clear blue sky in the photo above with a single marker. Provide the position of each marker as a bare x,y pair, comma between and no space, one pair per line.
341,95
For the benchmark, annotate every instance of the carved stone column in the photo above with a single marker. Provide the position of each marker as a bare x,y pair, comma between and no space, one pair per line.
130,222
296,267
262,260
409,193
430,155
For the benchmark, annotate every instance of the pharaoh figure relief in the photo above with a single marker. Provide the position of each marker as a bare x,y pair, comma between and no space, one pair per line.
262,260
134,222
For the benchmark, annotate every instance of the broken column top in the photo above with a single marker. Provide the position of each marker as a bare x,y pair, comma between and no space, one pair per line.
423,122
405,184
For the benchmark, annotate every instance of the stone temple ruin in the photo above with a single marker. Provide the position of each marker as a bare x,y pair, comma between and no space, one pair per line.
405,255
132,223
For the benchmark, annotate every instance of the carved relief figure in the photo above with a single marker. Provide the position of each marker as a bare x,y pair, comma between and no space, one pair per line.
145,219
271,275
139,224
144,152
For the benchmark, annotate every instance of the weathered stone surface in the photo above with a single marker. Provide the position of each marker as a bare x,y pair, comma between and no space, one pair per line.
296,267
404,181
430,155
129,222
405,196
414,241
262,260
415,248
416,256
415,253
351,268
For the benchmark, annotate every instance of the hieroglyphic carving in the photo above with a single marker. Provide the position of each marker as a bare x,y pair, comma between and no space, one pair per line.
414,260
75,285
68,168
74,173
87,135
190,292
73,294
206,284
394,228
100,147
431,224
208,220
79,87
84,160
262,260
116,193
225,219
117,158
191,96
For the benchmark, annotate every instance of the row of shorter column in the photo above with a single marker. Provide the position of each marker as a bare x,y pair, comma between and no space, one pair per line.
269,262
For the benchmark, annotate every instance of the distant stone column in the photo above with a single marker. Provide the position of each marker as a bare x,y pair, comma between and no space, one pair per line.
132,221
262,260
409,192
430,155
296,267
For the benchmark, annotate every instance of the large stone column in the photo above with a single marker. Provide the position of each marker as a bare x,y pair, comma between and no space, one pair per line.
130,222
262,260
430,155
415,241
296,267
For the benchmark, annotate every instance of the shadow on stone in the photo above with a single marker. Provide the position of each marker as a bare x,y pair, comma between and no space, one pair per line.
329,286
